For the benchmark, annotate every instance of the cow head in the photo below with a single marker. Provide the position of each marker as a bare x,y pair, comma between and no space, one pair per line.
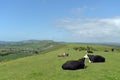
86,56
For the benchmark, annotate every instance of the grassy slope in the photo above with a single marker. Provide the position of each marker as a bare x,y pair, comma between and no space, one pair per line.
32,46
48,66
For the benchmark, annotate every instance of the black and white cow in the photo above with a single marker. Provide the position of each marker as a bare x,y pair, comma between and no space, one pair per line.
74,64
94,58
89,51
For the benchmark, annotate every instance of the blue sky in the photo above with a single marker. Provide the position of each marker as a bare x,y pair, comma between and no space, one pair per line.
60,20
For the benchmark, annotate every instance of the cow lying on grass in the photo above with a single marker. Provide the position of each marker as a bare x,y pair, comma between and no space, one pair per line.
89,51
94,58
74,64
63,55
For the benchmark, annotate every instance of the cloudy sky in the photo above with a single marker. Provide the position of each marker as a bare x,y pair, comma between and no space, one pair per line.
60,20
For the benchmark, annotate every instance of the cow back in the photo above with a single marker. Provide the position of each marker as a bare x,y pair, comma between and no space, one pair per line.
73,65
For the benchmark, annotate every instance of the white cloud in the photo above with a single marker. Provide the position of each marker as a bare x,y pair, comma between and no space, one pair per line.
99,29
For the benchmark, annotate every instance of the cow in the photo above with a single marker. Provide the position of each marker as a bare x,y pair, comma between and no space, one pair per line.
74,64
106,50
112,49
89,51
63,55
94,58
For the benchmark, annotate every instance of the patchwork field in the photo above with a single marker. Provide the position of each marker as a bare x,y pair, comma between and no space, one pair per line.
48,66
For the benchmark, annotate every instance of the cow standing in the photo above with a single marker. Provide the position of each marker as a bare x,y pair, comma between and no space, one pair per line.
112,49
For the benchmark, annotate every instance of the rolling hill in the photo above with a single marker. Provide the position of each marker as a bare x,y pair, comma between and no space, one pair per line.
13,50
48,66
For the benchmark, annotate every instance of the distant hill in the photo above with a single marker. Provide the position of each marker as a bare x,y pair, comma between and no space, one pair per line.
3,42
27,43
111,44
13,50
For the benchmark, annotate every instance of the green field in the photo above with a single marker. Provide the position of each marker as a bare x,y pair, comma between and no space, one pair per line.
48,66
14,50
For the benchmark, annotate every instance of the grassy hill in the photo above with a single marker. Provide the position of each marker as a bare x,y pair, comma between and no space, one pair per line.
27,44
48,66
13,50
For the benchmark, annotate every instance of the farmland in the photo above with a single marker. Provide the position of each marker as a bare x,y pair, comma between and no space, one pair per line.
47,66
14,50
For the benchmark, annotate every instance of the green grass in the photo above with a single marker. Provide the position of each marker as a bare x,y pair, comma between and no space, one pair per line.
48,66
18,54
13,56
